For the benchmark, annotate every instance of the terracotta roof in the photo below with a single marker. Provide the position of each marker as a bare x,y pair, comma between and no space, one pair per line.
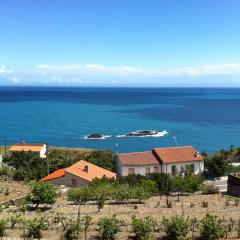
177,154
84,170
56,174
138,158
26,147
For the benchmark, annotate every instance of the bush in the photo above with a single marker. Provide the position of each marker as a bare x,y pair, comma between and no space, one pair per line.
209,189
70,230
143,228
42,193
176,227
100,202
14,219
213,227
35,227
3,227
80,195
108,227
86,222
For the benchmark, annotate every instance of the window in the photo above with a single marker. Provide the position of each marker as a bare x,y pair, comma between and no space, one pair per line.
74,182
131,171
192,168
174,169
147,170
156,169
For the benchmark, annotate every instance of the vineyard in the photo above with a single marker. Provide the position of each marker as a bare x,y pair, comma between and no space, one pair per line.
152,217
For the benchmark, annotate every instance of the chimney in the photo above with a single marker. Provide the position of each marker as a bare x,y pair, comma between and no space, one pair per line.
86,168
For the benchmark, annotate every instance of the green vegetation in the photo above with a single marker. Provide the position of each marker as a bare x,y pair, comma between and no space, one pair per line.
3,227
219,163
25,166
213,227
108,227
176,227
143,227
42,193
65,157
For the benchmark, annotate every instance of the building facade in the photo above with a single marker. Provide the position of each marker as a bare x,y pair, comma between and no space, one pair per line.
160,160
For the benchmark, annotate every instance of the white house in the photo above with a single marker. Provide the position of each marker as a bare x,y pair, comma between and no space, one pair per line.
165,160
40,148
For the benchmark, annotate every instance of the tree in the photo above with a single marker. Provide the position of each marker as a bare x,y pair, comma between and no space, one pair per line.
80,196
176,227
42,193
216,164
28,164
86,222
100,202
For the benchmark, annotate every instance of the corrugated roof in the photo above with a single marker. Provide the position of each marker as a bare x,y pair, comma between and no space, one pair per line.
177,154
138,158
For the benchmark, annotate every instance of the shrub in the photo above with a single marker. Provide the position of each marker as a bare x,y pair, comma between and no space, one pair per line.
70,229
35,227
14,219
100,202
204,204
86,222
42,193
176,227
209,189
212,227
143,228
108,227
80,195
3,227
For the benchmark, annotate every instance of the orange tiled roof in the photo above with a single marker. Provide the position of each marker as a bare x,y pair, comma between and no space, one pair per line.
26,147
79,169
138,158
56,174
177,154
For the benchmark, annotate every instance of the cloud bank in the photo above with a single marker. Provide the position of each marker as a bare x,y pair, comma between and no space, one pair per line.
102,75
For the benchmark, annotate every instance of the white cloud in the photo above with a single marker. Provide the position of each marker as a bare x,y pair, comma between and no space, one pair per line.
89,68
3,69
103,75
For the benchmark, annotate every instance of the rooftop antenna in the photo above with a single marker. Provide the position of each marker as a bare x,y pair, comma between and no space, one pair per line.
175,140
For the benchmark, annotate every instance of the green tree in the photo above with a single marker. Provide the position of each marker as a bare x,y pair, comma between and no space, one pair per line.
42,193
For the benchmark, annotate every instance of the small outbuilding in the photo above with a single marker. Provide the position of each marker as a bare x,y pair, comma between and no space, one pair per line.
38,148
79,174
233,187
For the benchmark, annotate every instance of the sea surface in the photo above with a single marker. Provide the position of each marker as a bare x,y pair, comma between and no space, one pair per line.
208,119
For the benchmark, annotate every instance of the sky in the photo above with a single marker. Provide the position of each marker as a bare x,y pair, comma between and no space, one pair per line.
120,43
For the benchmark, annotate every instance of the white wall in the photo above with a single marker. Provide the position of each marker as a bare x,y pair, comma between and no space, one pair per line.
43,151
138,169
198,166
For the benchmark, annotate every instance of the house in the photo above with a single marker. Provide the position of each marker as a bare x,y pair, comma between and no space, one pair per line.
160,160
233,184
79,174
38,148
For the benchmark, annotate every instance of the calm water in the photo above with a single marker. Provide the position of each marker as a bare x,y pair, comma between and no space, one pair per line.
208,119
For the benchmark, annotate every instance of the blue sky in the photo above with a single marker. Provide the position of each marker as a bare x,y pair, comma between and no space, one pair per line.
120,43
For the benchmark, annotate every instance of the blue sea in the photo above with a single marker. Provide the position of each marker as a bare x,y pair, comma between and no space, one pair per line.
208,119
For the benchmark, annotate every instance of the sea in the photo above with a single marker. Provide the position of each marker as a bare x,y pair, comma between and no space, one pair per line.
206,118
